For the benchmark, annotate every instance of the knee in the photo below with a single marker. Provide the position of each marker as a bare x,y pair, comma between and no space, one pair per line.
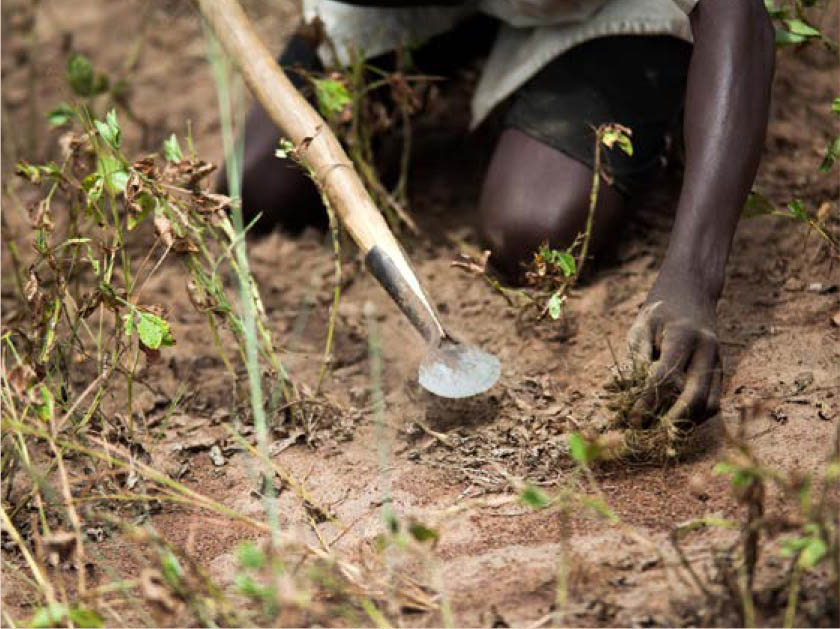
513,232
534,194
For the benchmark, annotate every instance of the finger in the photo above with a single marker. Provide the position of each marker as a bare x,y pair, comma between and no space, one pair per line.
665,375
640,336
693,401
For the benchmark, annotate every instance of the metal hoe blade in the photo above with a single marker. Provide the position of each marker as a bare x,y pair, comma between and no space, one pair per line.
454,370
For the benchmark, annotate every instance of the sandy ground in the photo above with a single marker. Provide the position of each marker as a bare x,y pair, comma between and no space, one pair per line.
497,561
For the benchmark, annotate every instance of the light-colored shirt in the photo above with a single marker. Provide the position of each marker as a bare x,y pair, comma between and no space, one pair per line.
532,32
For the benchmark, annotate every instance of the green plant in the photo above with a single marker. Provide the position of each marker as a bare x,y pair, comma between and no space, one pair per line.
832,149
552,273
809,511
360,102
793,26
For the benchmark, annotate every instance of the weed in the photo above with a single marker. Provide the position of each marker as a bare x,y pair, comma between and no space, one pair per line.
360,102
809,527
552,273
793,27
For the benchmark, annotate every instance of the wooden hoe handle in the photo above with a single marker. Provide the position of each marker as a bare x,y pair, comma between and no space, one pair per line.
322,153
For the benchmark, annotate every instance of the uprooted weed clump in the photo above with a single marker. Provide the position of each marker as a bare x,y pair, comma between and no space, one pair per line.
660,438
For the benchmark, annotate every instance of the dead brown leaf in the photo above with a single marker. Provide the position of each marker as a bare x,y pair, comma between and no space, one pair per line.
470,264
164,230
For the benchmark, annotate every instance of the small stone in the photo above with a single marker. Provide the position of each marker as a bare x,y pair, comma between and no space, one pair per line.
697,485
823,289
217,457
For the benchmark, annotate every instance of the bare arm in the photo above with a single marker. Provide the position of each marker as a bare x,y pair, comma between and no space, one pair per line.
727,103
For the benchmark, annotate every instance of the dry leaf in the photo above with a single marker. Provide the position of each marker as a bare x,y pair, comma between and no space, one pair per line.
164,230
185,245
58,547
146,166
472,265
154,590
21,377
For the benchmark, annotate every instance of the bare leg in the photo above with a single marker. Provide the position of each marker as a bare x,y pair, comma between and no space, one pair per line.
532,194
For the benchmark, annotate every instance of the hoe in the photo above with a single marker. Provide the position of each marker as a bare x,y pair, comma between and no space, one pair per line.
450,369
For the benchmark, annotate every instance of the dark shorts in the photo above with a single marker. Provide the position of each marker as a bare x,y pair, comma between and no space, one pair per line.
637,81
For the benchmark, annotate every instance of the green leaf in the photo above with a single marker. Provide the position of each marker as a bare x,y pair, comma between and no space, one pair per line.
773,10
743,478
625,144
614,136
93,185
46,410
332,96
286,149
832,155
793,545
246,584
172,149
580,449
600,507
534,497
835,105
722,467
171,568
555,306
80,74
153,331
798,27
813,553
110,130
61,115
128,323
797,210
85,617
566,261
786,38
81,77
803,494
147,203
52,170
422,533
113,173
250,556
28,171
811,550
757,205
51,615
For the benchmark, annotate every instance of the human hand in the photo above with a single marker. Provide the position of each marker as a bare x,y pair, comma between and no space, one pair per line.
674,335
